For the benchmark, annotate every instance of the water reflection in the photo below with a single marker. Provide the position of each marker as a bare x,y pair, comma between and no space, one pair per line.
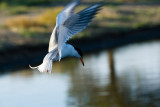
135,82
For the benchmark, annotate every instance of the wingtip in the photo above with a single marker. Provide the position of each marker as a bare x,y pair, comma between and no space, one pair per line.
76,1
101,3
59,57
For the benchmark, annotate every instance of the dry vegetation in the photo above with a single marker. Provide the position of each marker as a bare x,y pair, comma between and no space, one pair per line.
113,18
36,22
41,23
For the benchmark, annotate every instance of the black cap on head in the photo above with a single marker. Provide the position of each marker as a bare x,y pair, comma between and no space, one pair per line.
79,51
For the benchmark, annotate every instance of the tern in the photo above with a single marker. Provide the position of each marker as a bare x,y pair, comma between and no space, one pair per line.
68,24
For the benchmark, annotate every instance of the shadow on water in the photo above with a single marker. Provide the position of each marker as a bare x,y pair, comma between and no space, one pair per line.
122,77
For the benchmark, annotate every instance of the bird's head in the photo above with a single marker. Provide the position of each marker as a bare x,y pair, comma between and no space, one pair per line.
80,54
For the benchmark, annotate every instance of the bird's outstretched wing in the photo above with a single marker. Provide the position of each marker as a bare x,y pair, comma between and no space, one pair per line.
62,16
66,12
75,24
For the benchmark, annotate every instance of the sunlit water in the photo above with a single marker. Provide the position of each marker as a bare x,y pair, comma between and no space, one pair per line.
135,83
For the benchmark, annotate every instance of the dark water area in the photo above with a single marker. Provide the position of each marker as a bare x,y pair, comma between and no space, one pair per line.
21,56
133,82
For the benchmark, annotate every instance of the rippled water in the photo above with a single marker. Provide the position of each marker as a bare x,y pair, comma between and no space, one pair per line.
134,81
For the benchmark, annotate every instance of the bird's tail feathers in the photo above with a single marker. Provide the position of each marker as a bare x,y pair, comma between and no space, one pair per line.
46,66
33,67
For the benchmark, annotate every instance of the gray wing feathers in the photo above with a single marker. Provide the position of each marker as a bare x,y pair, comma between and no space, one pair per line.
75,24
62,16
71,6
81,20
52,54
66,12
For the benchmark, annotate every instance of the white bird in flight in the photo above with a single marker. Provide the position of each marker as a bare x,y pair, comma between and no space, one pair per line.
67,25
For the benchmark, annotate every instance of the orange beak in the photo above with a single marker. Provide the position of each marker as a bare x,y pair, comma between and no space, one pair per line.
82,61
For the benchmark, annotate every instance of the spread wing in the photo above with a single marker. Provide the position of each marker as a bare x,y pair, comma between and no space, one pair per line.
75,24
62,16
66,12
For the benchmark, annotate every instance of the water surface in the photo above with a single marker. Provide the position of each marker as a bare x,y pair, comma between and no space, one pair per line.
135,81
